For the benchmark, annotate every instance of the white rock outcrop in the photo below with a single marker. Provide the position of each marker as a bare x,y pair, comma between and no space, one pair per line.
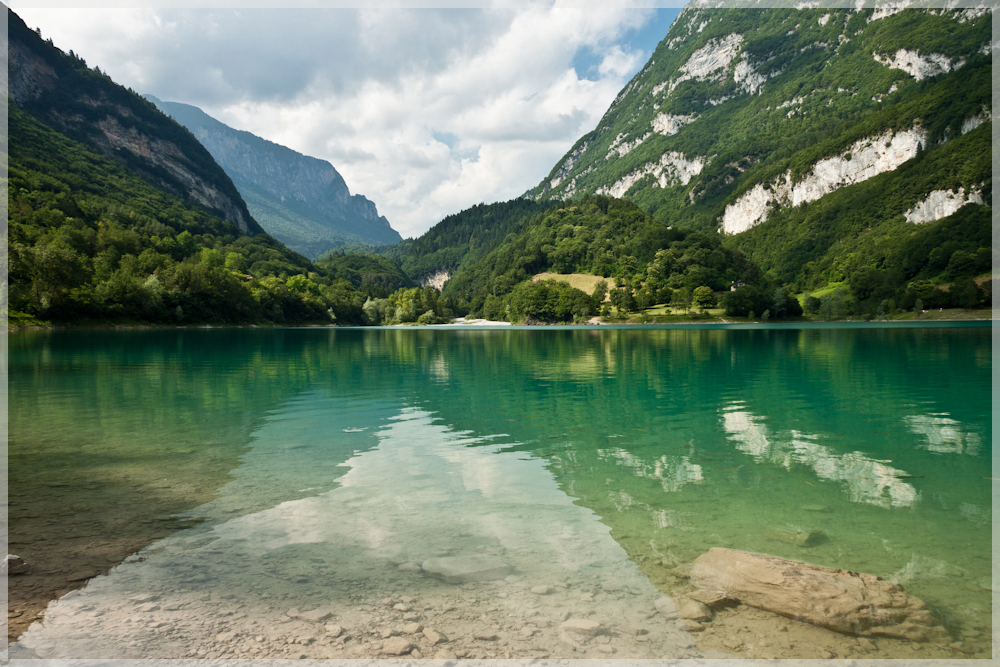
751,209
888,9
435,280
940,204
623,149
668,124
567,166
671,169
747,77
972,122
919,66
710,62
864,159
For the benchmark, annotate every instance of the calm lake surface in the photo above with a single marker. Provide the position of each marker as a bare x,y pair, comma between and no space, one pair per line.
269,474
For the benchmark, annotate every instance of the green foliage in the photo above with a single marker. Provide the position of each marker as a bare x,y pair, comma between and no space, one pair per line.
548,301
373,275
84,103
822,90
414,305
703,297
89,240
462,238
602,236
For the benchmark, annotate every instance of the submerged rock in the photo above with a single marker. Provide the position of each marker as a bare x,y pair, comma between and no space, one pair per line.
463,569
666,607
14,565
693,610
581,626
848,602
799,537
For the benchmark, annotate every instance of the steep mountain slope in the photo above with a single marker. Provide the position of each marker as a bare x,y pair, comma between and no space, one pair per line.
460,239
817,141
300,200
90,240
87,106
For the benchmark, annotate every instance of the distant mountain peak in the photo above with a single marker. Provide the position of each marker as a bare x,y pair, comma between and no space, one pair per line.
302,201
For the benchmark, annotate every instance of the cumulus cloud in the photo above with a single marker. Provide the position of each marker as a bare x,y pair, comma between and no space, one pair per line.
426,112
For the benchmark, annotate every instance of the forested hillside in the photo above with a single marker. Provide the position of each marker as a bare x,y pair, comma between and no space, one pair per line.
823,144
84,104
646,262
461,238
90,240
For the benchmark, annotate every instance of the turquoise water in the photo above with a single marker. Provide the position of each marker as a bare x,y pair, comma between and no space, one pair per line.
318,468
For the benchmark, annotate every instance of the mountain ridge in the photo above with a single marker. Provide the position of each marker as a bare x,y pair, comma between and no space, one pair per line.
302,200
745,119
84,104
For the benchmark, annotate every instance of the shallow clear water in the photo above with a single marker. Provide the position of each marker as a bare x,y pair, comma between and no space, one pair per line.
316,468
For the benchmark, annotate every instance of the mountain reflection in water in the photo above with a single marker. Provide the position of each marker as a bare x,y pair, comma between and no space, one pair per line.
875,441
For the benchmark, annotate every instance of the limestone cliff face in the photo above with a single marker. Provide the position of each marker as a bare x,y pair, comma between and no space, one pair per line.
743,115
88,106
309,206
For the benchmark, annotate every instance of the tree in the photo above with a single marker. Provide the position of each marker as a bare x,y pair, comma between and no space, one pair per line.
703,297
681,298
600,291
235,262
618,297
812,305
780,302
918,307
643,299
212,258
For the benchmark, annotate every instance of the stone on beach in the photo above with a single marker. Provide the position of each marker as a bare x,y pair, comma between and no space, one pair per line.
412,628
709,598
693,610
316,615
434,637
666,607
848,602
396,646
464,569
581,626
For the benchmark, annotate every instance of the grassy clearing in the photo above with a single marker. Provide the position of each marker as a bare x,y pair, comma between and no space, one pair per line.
581,281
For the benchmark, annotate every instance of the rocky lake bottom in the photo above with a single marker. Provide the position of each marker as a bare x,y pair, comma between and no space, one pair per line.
497,520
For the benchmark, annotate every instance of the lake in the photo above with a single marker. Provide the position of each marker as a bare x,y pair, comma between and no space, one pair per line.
288,492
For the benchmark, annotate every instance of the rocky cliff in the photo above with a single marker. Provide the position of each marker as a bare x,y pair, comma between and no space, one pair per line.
86,105
300,200
744,119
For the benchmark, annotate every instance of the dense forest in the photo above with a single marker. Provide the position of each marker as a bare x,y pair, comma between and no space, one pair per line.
91,241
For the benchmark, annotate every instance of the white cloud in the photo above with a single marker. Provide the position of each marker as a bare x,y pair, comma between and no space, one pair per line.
374,92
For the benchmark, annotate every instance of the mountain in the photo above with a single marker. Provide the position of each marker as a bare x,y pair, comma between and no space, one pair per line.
117,214
823,143
87,106
460,239
300,200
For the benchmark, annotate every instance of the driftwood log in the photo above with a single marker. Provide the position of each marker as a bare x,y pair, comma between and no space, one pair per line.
848,602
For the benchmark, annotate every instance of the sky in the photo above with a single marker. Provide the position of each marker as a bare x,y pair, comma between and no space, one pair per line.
424,111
